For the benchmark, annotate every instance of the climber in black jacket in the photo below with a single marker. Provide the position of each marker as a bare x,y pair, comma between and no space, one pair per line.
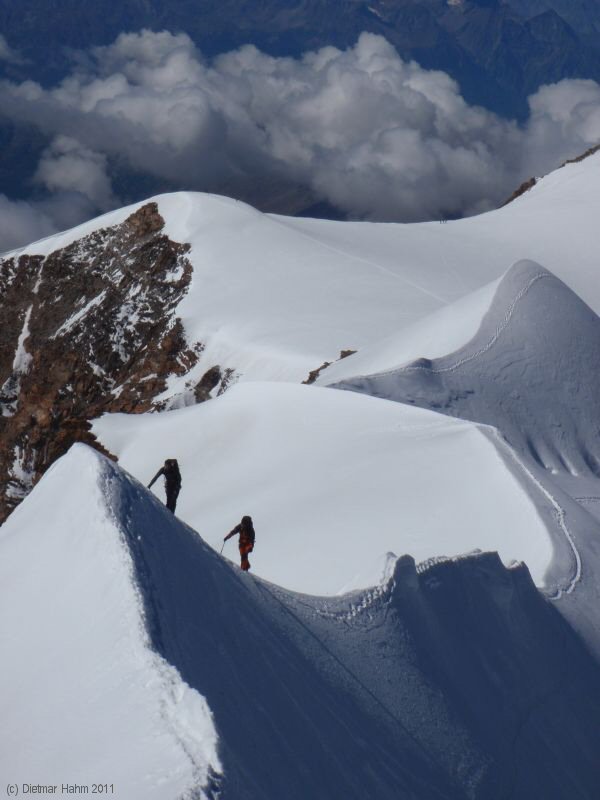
172,476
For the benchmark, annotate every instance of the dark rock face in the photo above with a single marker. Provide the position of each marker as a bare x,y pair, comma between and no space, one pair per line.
88,329
582,15
524,187
314,373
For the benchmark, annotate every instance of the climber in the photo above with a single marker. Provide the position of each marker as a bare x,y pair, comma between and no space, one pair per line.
172,476
246,541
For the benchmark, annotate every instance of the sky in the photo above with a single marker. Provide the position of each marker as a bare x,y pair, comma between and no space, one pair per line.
373,135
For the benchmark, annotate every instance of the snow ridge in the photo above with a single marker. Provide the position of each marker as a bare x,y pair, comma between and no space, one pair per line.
438,370
84,612
559,513
184,712
451,678
527,395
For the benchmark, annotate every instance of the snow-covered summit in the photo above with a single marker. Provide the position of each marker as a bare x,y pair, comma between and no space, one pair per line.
273,297
174,308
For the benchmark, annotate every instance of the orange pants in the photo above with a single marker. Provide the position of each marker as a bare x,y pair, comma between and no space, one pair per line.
245,548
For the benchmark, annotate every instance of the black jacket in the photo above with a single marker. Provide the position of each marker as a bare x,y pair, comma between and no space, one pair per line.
171,473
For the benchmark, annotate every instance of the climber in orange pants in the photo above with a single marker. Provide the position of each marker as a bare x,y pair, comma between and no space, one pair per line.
246,541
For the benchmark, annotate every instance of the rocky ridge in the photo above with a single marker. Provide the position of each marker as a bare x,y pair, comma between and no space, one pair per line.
88,329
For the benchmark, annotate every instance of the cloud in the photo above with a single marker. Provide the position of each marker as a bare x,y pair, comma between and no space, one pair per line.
22,222
378,137
78,187
564,121
8,54
68,166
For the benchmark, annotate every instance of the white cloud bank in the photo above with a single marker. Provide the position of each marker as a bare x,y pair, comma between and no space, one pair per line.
376,136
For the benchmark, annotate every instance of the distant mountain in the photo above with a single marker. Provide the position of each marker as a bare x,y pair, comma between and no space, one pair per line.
582,15
499,52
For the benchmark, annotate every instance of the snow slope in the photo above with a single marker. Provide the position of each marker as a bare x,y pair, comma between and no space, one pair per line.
85,697
334,286
274,297
334,482
283,295
554,223
532,371
454,681
441,332
530,378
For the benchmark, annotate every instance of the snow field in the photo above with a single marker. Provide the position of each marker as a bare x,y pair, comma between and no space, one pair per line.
333,481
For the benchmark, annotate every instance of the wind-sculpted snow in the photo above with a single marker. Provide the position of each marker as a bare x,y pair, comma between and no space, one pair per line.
532,371
531,378
445,330
457,680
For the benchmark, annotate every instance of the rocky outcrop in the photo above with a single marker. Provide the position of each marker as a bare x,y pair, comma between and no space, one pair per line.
524,187
87,329
531,182
589,152
314,373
